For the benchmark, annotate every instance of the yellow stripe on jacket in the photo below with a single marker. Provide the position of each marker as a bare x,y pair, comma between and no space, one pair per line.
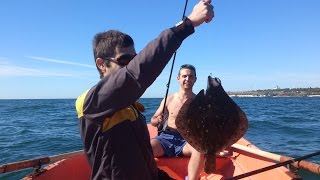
128,113
80,103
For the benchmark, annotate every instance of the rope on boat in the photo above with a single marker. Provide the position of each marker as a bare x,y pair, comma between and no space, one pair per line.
306,165
160,125
274,166
37,163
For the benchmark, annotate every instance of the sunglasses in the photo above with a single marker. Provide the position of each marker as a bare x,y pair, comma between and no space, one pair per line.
122,60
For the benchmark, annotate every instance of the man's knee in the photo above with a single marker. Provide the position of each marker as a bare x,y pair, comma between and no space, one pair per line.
156,148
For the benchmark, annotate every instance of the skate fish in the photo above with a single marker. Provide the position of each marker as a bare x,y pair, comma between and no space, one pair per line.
211,122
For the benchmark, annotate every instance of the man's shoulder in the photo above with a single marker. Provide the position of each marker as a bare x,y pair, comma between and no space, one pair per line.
172,97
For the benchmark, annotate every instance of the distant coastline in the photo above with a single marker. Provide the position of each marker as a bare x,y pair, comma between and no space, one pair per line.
278,92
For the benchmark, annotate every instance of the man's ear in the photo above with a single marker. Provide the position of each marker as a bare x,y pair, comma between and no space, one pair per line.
100,63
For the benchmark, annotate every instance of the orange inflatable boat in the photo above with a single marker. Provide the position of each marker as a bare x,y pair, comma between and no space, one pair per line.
236,163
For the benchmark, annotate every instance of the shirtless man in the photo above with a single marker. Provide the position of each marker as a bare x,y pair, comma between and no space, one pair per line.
169,142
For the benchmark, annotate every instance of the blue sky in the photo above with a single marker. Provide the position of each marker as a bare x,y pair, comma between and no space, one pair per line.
46,52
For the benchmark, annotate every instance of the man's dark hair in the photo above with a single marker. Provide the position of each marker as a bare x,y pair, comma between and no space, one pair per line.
105,43
188,66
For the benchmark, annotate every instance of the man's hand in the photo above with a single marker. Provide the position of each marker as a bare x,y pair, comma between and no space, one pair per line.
202,12
160,119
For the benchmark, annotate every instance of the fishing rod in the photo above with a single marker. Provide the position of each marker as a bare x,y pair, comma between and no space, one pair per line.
273,166
160,125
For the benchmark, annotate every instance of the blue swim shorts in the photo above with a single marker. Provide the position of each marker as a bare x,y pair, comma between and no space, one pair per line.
172,143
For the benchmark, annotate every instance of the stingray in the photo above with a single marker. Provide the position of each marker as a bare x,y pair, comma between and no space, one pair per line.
211,122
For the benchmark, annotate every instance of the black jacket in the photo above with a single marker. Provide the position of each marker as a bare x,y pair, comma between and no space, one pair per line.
113,130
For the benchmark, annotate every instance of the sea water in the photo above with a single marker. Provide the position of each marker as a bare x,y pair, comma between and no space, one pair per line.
33,128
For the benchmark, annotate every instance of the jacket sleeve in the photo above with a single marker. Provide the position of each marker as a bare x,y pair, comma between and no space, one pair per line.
126,85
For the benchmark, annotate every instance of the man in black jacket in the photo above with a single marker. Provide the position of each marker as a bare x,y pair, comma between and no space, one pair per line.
113,130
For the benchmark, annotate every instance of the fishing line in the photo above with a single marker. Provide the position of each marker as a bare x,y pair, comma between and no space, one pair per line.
160,125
